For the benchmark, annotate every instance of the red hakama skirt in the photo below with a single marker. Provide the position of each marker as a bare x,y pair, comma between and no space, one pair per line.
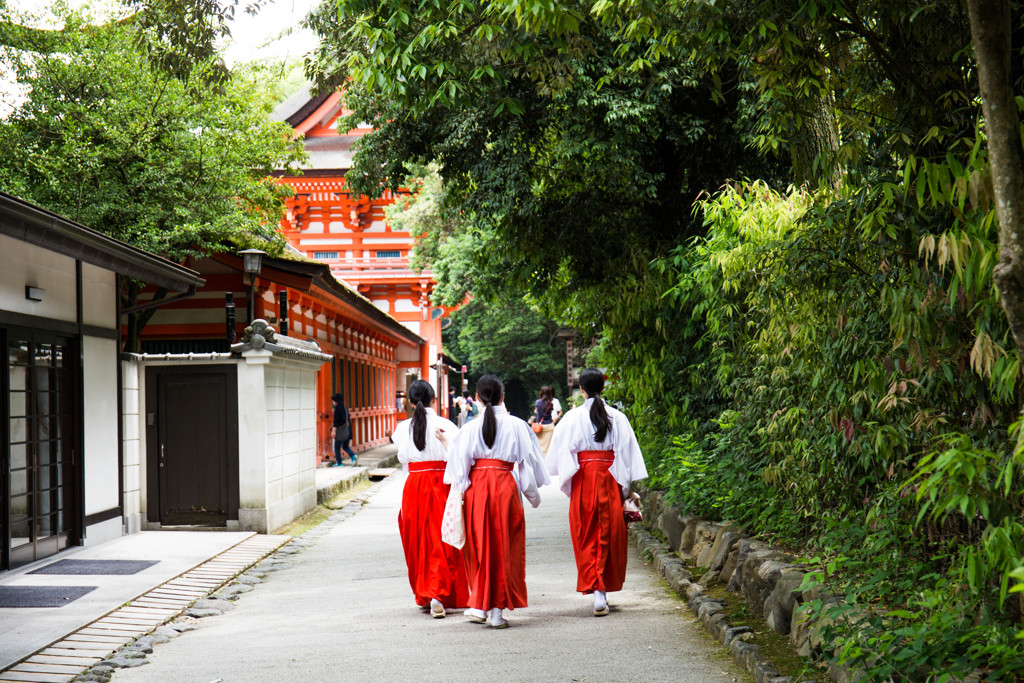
436,569
495,549
596,524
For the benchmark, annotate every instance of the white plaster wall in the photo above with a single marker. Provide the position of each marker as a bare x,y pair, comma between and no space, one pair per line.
103,532
322,241
23,264
99,302
100,428
386,240
406,353
289,444
253,427
134,476
406,306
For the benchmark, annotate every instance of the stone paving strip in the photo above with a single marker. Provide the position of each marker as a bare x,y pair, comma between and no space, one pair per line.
65,659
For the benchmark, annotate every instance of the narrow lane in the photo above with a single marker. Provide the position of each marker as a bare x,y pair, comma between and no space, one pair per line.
344,612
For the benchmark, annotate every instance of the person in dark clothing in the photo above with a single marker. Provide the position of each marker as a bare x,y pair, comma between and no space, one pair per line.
341,431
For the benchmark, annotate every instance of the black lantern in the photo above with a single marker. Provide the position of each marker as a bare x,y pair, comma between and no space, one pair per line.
252,264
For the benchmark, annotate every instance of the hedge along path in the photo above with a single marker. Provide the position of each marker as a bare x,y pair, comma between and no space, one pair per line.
63,660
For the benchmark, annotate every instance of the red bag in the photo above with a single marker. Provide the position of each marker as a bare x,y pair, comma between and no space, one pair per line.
631,509
537,427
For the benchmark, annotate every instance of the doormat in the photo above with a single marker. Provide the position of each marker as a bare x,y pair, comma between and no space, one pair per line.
106,567
41,596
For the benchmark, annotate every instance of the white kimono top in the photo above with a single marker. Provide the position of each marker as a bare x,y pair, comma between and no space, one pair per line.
575,433
514,442
433,450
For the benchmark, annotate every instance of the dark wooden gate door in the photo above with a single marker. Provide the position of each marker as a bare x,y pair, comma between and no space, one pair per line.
192,445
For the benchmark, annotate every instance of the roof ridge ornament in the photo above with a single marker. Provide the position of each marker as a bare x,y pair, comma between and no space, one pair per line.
258,334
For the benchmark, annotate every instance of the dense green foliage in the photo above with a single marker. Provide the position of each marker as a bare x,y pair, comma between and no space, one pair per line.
584,180
108,140
513,341
152,160
828,364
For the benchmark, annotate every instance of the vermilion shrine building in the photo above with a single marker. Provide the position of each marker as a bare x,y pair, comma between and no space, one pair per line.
326,223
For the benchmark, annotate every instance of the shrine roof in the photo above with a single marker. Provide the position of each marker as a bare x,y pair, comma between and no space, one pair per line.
299,106
313,117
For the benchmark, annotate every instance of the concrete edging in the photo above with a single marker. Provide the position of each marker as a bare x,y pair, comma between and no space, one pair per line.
327,493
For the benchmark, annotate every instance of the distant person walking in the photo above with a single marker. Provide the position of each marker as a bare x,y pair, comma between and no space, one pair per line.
341,430
472,408
437,571
544,415
481,465
460,410
596,454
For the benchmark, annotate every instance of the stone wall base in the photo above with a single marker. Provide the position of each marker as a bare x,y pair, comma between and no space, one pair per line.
770,581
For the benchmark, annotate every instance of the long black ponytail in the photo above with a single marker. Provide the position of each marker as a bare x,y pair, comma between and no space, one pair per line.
420,395
592,382
490,390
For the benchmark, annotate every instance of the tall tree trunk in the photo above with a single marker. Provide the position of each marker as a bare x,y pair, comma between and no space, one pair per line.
990,32
813,149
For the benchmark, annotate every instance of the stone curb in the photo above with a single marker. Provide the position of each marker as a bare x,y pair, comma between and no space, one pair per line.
770,580
328,493
709,611
220,599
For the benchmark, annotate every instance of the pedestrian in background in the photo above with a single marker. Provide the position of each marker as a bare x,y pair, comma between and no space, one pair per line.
437,571
341,430
543,418
595,452
472,409
460,411
480,465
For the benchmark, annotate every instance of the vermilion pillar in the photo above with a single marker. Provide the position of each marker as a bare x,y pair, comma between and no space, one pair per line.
425,362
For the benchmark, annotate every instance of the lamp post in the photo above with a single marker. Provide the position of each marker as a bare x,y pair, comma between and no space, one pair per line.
252,264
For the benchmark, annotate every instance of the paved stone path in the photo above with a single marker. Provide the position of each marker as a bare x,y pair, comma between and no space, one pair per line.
341,609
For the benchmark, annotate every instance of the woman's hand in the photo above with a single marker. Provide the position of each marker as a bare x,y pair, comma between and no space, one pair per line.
439,433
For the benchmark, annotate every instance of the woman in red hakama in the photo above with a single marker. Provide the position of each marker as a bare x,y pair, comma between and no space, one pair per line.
484,462
437,572
595,452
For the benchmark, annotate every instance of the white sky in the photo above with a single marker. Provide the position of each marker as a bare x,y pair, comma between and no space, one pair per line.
273,33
